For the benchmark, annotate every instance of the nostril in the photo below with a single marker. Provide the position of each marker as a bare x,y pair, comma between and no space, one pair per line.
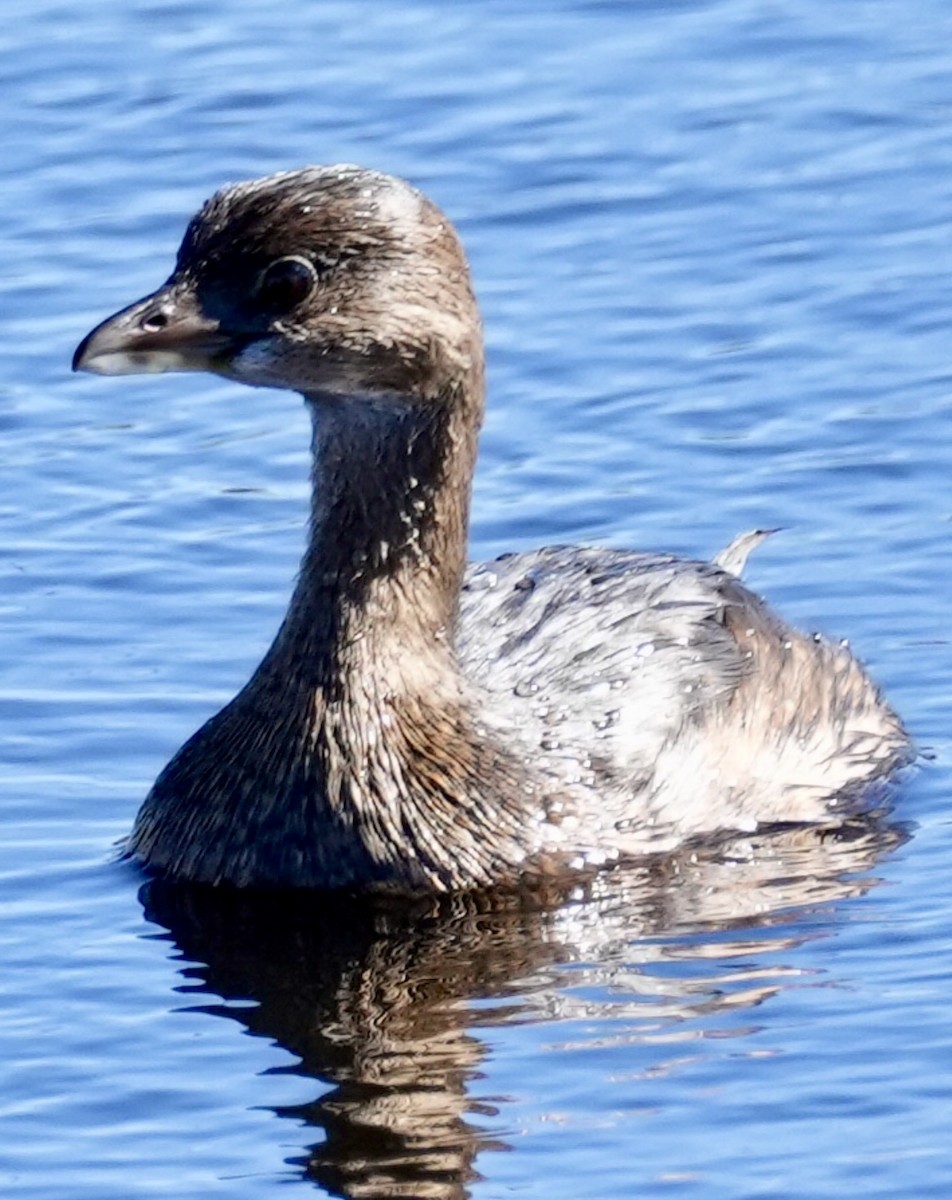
153,320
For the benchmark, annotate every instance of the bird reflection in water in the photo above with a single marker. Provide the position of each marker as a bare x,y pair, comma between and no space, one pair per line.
374,997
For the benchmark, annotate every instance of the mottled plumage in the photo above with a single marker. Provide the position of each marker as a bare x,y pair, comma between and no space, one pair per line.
415,726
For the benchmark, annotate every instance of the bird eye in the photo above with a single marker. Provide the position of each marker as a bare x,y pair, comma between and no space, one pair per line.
285,284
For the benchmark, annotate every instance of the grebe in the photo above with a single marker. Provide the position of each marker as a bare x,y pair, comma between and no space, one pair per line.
416,725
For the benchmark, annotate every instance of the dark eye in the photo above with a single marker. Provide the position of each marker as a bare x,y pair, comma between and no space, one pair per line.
285,284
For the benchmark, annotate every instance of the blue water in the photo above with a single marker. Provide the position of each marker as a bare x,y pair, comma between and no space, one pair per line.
712,244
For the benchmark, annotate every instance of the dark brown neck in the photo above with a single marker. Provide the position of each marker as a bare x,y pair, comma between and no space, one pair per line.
389,522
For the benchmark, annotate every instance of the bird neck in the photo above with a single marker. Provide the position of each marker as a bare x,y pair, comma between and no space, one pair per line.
388,532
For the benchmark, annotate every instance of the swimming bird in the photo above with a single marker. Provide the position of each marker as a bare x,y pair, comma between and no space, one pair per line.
418,725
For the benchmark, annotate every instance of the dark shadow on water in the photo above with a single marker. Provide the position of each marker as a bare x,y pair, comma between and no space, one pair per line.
375,997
